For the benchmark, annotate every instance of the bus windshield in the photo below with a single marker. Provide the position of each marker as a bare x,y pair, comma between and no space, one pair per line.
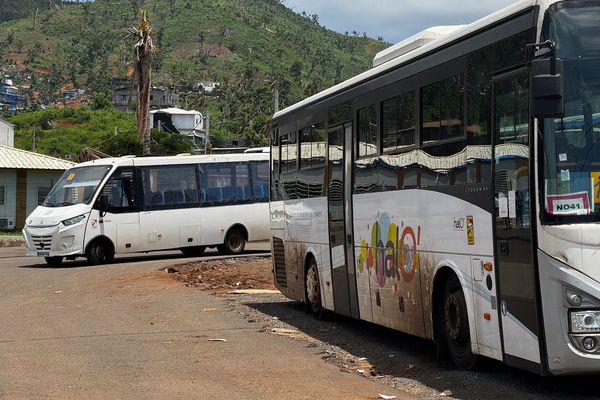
571,177
76,186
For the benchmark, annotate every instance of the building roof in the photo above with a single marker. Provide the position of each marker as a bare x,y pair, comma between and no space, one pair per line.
176,111
20,159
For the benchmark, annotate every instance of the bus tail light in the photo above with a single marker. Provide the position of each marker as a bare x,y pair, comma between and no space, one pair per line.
585,321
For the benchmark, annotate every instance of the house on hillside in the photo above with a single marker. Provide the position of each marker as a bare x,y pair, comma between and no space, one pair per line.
10,100
7,133
125,97
208,87
176,120
25,180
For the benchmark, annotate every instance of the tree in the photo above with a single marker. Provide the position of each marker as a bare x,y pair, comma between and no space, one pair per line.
144,51
101,101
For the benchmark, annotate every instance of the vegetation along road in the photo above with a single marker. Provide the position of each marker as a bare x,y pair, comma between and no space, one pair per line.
168,327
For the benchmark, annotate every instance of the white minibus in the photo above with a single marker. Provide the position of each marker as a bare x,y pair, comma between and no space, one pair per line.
141,204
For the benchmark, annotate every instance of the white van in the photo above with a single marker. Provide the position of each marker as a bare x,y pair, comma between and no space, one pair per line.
125,205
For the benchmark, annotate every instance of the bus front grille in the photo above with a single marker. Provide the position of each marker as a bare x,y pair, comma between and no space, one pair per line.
42,242
279,257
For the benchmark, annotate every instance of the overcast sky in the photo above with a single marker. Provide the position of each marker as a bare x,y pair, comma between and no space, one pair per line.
394,20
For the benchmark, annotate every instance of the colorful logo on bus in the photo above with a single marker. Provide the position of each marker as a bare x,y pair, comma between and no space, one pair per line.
392,251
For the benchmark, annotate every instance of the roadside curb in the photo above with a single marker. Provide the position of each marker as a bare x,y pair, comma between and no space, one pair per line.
12,241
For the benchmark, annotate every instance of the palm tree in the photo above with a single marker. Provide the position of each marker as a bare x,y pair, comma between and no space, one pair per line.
144,51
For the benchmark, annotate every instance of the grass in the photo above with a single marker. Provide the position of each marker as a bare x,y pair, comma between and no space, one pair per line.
10,233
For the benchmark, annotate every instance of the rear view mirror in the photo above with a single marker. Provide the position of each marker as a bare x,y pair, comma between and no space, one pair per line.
547,82
102,204
547,88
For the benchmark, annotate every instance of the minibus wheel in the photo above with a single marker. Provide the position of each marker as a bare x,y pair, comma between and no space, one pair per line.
312,290
235,242
54,261
456,325
100,252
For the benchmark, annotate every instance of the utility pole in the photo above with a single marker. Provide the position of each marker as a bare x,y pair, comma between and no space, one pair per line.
33,141
207,127
276,99
35,17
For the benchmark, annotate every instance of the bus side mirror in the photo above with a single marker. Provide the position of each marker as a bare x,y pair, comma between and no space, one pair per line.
547,88
102,204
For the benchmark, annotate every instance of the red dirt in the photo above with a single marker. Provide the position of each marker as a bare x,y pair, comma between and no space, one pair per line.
222,276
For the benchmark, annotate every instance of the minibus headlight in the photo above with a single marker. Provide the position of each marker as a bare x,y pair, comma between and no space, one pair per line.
73,221
585,321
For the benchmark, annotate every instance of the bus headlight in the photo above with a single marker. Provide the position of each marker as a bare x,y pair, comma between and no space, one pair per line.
73,221
585,321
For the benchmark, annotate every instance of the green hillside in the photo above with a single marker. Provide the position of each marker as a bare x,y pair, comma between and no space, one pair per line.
17,9
251,46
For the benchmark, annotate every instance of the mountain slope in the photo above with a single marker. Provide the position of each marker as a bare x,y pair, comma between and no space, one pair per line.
251,46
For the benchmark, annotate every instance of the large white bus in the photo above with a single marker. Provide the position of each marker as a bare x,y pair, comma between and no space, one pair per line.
450,191
141,204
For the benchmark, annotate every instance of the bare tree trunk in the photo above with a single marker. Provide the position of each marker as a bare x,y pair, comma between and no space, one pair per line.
144,51
143,77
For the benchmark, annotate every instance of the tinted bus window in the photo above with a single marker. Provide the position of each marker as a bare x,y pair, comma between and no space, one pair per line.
398,122
260,180
169,186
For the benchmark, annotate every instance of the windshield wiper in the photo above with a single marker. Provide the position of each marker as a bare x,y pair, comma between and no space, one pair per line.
64,203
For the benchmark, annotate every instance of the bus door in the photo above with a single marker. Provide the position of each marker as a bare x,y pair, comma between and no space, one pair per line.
339,217
515,268
121,222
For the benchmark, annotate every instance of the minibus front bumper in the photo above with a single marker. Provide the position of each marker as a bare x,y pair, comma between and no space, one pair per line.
54,241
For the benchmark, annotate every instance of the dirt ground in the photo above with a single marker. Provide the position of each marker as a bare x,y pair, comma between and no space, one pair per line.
401,361
223,276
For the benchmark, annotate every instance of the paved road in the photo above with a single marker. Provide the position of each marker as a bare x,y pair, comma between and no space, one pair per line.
122,331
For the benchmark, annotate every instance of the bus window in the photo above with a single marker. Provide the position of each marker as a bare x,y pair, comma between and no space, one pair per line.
170,186
241,188
260,180
442,109
398,122
120,191
367,131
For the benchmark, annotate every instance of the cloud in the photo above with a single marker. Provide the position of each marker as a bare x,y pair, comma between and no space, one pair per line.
392,19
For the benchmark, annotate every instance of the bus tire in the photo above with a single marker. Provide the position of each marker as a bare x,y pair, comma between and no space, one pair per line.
100,252
312,290
193,251
53,261
235,242
455,325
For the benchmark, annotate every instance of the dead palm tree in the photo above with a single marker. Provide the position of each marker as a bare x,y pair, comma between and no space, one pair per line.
144,51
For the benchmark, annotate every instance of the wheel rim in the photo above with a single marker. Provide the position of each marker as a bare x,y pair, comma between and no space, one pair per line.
454,319
235,242
312,285
100,253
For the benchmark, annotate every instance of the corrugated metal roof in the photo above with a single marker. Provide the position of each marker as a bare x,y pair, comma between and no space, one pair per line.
21,159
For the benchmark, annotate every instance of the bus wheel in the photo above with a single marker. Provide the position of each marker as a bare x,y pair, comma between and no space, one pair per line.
54,261
312,291
193,251
456,325
235,242
100,252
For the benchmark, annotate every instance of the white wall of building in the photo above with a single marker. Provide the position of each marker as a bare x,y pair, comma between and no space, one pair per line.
39,180
7,134
8,180
187,122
